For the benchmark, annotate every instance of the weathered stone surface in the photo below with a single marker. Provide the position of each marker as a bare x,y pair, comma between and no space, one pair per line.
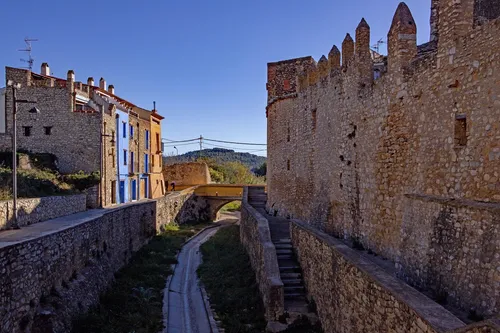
256,237
353,294
40,209
356,159
187,174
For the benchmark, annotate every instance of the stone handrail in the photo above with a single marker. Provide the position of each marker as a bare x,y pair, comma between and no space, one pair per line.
256,237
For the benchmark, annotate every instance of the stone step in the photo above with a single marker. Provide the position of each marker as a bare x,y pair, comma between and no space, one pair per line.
295,296
296,306
290,276
282,241
285,257
293,289
291,282
283,246
289,269
284,251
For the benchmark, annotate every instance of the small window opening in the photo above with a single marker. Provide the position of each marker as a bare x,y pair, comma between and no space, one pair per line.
27,130
124,156
113,191
460,130
112,138
286,84
288,165
288,135
314,119
124,129
48,130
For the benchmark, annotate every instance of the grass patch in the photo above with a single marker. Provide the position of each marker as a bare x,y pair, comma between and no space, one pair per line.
229,279
234,206
134,301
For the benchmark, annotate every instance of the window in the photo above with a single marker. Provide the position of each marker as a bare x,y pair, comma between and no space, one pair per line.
286,84
460,130
48,130
288,165
147,139
152,160
27,130
288,135
124,156
113,191
113,139
157,141
132,161
146,163
124,129
314,119
131,131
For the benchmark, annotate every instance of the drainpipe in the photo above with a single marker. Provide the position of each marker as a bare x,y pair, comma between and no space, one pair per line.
117,195
138,185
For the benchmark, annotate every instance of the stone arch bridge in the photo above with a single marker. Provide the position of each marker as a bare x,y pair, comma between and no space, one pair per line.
218,195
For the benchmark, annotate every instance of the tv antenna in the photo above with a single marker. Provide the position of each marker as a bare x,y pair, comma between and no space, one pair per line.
28,49
376,47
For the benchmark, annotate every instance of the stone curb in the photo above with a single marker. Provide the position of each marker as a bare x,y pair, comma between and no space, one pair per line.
213,324
169,280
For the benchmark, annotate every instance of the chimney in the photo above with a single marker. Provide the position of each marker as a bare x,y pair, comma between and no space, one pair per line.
71,76
90,81
111,89
45,69
347,50
102,84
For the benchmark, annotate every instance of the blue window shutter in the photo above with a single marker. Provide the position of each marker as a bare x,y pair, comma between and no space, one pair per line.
124,130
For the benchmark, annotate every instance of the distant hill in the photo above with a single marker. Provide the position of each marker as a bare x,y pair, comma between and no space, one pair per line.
220,155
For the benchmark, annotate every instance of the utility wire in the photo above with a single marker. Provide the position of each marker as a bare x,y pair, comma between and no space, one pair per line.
237,148
213,140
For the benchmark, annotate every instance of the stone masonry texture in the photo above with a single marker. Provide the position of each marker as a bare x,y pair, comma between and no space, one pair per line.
45,282
192,173
256,238
353,294
407,164
41,209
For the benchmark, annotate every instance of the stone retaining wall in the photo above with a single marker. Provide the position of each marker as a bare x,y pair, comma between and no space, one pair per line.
181,208
256,237
35,210
353,294
46,281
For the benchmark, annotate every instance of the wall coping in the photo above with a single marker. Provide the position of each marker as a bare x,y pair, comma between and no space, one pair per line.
270,256
434,314
491,206
19,200
43,229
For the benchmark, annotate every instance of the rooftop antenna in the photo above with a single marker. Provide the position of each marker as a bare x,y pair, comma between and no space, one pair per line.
28,49
376,47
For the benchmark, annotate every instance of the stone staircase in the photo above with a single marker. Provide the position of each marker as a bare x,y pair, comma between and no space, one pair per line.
290,272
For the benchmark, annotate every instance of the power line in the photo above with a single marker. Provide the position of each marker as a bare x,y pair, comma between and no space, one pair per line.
237,143
237,148
201,138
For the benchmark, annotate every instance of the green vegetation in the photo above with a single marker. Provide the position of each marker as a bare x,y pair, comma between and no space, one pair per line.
262,170
134,301
231,172
229,279
41,179
233,206
220,156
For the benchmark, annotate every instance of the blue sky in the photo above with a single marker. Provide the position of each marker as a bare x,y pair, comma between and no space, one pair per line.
203,62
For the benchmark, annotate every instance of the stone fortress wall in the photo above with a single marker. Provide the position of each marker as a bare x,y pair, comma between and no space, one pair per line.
187,174
400,154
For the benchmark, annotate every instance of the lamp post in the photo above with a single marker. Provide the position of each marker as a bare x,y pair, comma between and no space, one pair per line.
177,150
15,87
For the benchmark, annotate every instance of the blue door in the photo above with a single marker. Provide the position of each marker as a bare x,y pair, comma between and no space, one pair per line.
122,191
134,189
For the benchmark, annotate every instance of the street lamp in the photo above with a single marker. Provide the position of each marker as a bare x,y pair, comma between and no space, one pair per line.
177,150
34,110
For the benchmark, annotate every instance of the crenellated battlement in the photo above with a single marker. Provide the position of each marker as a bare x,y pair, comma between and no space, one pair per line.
358,62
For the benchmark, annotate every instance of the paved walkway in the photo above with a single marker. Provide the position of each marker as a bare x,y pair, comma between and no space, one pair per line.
186,309
33,231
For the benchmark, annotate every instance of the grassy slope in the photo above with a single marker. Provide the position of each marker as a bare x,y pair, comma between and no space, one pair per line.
229,279
134,301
